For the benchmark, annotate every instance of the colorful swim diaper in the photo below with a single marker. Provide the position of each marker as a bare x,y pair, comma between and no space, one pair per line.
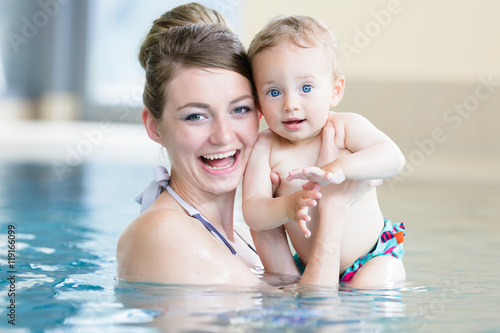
390,243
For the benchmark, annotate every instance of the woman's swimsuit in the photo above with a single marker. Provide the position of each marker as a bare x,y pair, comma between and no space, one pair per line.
160,184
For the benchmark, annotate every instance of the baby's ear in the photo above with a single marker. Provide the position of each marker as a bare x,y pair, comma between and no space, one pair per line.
338,91
258,107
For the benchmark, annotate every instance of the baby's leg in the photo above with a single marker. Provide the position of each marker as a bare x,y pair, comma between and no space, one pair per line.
380,271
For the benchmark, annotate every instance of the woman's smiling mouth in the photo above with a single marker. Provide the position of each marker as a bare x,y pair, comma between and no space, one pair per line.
219,161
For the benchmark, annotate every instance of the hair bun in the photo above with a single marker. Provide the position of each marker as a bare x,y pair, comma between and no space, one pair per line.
191,13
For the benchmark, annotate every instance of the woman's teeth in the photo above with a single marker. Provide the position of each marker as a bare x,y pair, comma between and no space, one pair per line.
219,156
219,161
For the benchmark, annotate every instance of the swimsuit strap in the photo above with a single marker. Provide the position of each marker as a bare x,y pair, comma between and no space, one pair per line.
154,189
161,183
243,239
196,214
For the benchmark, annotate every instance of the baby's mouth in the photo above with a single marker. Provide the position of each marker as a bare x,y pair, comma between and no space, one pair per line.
294,121
219,161
294,124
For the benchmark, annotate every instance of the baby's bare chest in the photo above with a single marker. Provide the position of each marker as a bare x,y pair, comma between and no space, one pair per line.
284,160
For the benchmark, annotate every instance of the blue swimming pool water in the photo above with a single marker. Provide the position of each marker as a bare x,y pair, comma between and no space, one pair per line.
66,229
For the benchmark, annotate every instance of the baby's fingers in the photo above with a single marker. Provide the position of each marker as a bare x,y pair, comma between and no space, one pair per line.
295,174
303,228
311,186
302,219
310,173
333,178
308,198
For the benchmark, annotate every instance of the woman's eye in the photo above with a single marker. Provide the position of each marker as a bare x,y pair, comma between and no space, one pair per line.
274,93
306,88
195,117
242,109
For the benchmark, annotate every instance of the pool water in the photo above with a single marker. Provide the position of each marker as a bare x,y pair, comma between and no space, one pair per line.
66,229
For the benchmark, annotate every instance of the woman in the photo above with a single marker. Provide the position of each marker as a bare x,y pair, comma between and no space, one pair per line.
200,106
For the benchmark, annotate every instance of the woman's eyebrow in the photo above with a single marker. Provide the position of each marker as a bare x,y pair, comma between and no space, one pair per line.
241,98
206,106
194,105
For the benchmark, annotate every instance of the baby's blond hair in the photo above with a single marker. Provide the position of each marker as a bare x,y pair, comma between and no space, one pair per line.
303,31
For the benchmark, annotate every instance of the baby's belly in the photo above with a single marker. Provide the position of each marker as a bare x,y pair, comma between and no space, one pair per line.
288,187
362,226
363,223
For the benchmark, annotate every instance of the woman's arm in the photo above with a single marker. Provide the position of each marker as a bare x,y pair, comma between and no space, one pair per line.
274,251
165,246
273,247
324,261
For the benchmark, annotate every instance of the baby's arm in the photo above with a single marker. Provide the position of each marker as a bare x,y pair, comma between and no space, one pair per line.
260,209
375,155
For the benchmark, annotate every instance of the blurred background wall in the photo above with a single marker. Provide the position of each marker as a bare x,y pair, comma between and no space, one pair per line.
425,72
417,70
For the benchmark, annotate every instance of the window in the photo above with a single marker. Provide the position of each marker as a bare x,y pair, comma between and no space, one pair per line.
115,79
3,83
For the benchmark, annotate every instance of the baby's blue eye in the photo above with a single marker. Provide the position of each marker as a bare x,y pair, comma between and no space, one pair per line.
306,88
274,93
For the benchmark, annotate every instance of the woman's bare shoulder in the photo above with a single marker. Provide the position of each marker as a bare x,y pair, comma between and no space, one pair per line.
151,224
167,246
150,245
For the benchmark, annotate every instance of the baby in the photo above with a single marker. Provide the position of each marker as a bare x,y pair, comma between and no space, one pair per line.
294,63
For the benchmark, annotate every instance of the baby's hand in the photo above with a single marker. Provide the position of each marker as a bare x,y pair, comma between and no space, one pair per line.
302,200
317,176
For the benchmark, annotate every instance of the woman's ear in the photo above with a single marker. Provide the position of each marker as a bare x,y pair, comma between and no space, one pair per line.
152,126
338,91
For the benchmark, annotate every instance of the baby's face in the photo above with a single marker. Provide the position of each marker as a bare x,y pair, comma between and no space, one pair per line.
295,88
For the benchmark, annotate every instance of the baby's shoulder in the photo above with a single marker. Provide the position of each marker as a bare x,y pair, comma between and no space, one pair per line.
265,135
345,117
264,140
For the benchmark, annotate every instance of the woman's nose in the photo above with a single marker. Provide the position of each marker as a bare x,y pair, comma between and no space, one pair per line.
221,133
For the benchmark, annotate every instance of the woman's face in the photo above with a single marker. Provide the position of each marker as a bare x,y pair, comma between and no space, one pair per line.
209,126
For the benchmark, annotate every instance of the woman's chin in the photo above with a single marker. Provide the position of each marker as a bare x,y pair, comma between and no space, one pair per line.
221,187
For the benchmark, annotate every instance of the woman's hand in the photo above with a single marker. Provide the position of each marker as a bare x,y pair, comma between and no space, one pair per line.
348,192
328,150
275,181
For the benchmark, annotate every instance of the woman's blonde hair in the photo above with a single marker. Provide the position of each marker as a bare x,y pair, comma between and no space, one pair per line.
187,36
303,31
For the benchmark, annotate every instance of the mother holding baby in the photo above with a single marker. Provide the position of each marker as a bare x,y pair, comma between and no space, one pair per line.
200,104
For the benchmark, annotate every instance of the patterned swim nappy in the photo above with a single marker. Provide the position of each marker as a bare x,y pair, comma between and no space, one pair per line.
390,243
